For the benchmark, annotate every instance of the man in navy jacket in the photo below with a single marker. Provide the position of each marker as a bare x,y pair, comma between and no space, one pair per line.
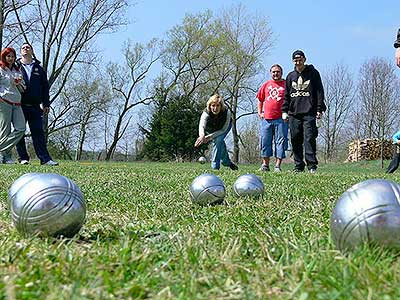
35,102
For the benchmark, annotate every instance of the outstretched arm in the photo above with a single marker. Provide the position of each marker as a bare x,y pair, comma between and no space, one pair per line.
202,127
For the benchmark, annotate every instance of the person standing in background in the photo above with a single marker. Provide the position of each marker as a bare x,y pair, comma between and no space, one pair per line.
394,164
11,85
303,105
35,103
272,128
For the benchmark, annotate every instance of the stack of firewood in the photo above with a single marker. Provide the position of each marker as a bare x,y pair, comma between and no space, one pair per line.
369,149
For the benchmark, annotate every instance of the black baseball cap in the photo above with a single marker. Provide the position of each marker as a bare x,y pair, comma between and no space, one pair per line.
298,53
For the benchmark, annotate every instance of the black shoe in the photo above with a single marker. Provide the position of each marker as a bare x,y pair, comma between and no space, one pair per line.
233,167
295,170
264,168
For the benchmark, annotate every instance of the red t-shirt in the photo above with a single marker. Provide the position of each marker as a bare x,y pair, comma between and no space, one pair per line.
272,94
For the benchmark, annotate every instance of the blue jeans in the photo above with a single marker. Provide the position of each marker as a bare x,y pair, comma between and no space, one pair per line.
276,130
219,151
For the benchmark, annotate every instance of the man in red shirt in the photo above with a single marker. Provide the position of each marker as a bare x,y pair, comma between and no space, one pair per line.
272,128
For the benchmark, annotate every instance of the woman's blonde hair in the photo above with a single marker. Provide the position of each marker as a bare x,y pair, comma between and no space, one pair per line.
216,99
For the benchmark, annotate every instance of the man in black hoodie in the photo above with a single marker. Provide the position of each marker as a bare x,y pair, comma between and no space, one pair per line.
303,104
35,102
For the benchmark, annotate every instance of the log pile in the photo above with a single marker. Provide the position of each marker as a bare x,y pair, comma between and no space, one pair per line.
369,149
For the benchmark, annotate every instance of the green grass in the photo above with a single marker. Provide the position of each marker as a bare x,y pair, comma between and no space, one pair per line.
144,239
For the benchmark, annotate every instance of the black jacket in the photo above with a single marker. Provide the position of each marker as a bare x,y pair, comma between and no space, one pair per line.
216,122
397,41
304,93
37,87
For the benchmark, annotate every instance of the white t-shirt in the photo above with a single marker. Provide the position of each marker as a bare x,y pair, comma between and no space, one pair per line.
28,68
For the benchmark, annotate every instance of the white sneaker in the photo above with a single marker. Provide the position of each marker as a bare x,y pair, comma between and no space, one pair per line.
9,162
24,162
51,163
277,169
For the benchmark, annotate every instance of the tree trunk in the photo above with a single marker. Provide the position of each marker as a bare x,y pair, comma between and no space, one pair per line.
235,157
235,134
82,136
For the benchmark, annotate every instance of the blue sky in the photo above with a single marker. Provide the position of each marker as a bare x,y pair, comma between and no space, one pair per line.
329,32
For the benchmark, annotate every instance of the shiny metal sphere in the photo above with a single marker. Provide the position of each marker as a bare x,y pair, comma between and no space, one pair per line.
367,212
202,160
20,182
47,204
207,189
248,185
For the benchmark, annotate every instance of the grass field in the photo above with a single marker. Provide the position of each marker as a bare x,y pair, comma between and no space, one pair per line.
144,239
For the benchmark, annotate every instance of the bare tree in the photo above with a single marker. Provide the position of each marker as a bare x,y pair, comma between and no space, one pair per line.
378,91
66,30
191,49
250,141
245,40
339,97
9,24
128,143
128,85
90,96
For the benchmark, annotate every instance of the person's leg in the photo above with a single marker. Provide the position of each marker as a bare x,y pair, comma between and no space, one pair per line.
39,141
21,146
266,133
18,123
279,139
285,128
226,161
5,130
220,153
5,123
218,148
310,142
394,164
296,137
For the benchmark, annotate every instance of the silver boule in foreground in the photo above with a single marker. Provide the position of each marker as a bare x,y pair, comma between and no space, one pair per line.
202,160
47,204
248,185
368,212
19,183
207,189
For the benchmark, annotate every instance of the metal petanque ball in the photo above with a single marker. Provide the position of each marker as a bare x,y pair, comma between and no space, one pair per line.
248,185
202,160
368,212
46,204
19,183
207,189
